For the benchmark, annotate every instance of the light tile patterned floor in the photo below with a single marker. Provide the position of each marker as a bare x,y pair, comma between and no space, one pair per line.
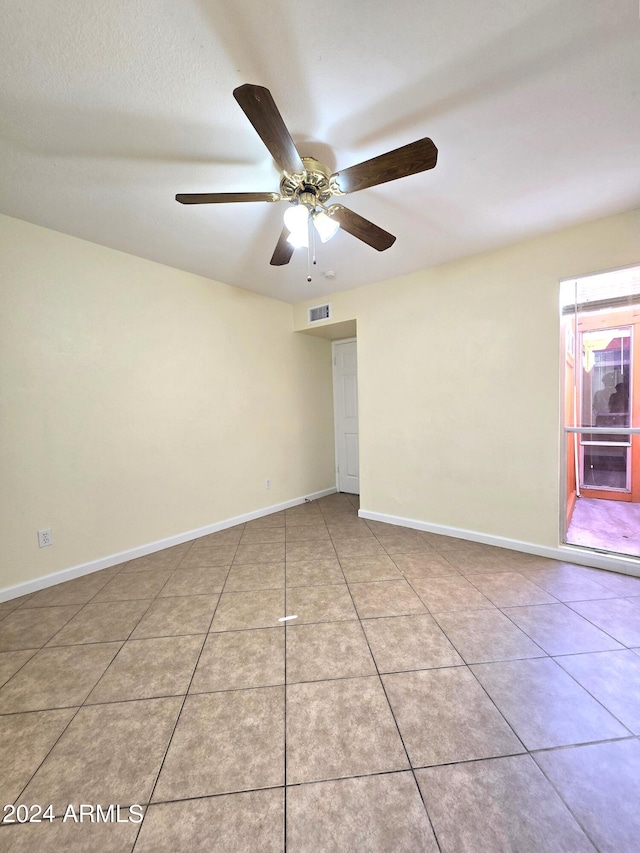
432,694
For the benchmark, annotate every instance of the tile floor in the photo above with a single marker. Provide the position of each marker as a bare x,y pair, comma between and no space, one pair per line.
431,694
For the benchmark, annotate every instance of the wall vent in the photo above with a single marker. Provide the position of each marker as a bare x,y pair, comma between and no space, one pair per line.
320,312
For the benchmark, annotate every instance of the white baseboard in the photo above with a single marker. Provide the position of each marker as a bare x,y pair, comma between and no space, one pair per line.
54,578
565,553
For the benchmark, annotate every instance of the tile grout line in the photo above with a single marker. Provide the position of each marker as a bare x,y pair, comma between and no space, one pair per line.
526,750
595,698
564,746
126,640
563,654
591,622
565,804
284,795
413,773
79,707
308,681
150,599
483,688
516,571
393,716
468,667
57,740
13,674
184,699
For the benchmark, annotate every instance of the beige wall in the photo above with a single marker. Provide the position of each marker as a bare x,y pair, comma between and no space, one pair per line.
458,373
140,402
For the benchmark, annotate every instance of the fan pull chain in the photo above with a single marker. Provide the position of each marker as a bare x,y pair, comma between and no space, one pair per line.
309,250
313,233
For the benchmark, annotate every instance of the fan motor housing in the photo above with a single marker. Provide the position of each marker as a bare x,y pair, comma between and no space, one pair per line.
314,180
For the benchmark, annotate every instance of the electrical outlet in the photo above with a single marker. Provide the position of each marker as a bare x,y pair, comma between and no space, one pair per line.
44,537
267,484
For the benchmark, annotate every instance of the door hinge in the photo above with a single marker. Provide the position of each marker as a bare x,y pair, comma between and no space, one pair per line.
334,361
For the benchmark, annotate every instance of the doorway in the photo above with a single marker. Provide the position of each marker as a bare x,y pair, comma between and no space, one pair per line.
601,373
345,406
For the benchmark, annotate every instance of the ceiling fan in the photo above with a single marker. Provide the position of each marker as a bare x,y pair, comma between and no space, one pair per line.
308,184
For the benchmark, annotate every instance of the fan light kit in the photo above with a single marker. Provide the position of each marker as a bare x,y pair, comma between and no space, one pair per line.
308,184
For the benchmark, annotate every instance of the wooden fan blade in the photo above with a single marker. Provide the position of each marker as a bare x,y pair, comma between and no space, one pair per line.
361,228
283,251
223,198
408,160
260,108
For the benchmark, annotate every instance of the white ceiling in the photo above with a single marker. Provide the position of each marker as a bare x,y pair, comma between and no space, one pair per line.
108,109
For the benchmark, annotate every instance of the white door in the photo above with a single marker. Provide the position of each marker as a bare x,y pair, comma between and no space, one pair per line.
345,396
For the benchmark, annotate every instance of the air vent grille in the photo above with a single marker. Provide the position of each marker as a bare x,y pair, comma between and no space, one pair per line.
320,312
